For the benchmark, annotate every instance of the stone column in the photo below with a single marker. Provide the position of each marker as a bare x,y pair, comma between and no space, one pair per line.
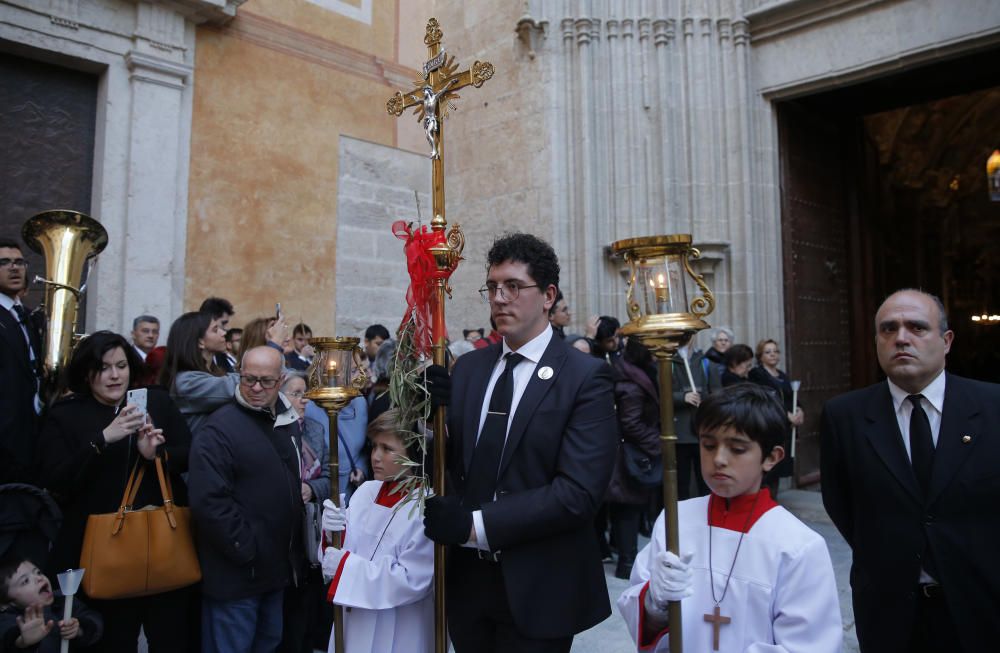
651,119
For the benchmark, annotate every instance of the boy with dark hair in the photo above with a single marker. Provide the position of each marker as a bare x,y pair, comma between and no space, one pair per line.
30,611
757,579
234,337
302,353
221,311
375,335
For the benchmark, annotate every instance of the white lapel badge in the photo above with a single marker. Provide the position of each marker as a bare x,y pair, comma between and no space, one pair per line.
966,439
545,373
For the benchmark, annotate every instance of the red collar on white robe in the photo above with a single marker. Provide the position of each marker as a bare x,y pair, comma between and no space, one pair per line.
735,514
388,496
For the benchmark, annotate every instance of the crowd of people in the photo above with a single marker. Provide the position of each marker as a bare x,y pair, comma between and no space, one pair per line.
553,469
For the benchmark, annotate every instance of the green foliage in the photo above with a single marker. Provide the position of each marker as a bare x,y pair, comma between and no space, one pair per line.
408,395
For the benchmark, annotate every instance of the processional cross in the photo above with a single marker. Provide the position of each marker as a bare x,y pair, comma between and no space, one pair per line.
432,96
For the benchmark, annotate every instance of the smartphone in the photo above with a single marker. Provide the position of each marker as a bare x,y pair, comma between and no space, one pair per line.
277,310
137,397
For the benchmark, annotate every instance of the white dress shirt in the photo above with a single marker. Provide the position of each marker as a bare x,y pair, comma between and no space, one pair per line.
932,403
532,352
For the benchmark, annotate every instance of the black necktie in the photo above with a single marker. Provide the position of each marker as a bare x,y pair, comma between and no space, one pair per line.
485,465
22,315
921,444
22,319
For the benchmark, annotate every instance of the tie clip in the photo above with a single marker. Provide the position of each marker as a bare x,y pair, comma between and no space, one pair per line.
493,412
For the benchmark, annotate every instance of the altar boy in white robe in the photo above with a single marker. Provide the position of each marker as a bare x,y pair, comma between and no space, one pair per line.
751,578
383,574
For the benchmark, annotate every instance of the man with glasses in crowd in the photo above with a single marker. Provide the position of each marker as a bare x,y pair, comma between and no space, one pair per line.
532,436
245,489
20,369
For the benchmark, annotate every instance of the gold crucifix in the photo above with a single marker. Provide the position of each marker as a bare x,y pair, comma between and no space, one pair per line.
432,96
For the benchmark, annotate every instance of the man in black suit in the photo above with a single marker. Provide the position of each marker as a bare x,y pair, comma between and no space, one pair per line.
20,369
532,438
911,478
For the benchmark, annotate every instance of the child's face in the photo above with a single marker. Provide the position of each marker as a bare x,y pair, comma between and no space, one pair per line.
29,586
732,463
387,450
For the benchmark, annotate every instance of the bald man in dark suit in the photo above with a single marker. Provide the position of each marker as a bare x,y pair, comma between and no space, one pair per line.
911,478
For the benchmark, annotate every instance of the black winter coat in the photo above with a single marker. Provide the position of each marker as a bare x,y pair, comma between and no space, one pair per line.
638,403
246,501
85,482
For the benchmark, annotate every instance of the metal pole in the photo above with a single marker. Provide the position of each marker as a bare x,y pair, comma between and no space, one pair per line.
438,331
668,445
440,551
338,611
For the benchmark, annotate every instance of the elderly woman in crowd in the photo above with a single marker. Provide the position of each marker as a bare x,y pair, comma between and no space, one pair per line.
722,340
768,375
302,601
89,444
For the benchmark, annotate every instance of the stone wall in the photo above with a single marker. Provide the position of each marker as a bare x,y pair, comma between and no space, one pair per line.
374,189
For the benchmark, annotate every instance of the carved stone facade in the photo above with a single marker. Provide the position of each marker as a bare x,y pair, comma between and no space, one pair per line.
637,118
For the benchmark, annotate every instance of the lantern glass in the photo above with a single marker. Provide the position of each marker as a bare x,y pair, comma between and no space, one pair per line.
658,284
334,367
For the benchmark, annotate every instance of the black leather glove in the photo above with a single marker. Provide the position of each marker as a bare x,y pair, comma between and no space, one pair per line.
438,386
446,521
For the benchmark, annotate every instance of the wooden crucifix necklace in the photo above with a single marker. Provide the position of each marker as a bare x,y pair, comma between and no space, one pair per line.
716,618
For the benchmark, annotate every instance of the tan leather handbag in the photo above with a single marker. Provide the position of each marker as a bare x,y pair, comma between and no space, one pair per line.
138,552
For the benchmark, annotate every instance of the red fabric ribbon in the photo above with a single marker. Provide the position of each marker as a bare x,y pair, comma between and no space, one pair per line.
420,296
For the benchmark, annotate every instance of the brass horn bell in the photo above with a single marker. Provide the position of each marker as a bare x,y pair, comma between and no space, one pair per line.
67,239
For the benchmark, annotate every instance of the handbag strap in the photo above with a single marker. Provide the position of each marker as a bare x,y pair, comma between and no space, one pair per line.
168,492
128,498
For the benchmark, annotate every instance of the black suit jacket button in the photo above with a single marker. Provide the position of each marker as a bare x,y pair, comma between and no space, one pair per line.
500,493
928,519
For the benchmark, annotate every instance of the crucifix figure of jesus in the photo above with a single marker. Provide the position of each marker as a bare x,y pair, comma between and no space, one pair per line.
431,97
717,620
432,94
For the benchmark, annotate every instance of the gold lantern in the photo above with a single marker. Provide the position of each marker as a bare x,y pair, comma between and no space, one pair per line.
663,319
335,378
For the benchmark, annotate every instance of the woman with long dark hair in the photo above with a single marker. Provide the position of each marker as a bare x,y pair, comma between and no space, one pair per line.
189,373
90,442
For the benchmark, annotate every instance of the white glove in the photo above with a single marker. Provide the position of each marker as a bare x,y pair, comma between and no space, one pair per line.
334,518
331,560
670,579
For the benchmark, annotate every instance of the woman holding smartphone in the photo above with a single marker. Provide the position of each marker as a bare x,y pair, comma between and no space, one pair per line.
90,441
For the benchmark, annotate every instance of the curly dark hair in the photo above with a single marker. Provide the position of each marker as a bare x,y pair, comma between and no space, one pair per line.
538,255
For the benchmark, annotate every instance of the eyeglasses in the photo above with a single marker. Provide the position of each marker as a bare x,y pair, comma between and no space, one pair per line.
265,382
298,394
13,263
508,291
